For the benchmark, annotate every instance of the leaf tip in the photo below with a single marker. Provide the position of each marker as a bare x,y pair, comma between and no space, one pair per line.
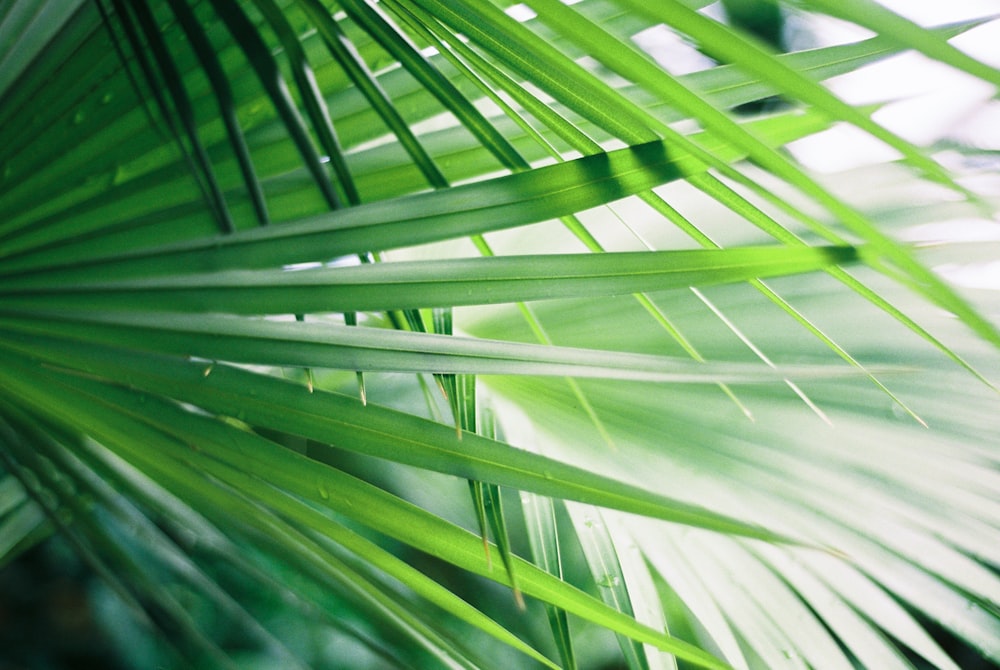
519,600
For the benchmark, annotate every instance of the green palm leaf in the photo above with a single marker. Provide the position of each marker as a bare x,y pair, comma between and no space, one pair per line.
559,265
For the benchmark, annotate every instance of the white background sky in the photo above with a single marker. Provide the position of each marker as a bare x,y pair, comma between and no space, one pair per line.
933,102
925,102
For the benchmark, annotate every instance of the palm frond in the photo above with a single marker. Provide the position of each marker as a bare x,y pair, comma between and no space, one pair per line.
712,407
